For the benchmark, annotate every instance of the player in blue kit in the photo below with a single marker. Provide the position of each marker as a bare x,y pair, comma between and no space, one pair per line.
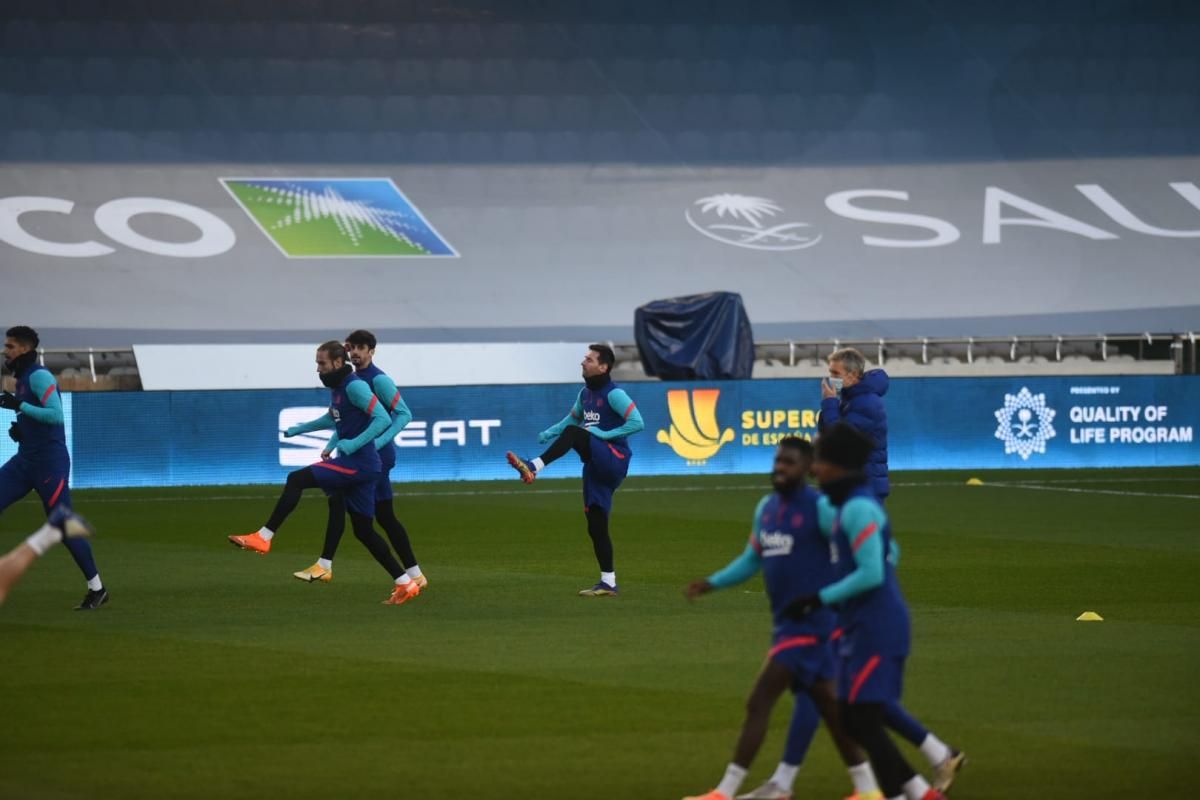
358,419
597,429
360,345
787,545
871,608
42,463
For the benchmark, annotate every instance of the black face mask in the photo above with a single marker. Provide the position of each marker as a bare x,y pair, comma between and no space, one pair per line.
334,378
839,491
22,362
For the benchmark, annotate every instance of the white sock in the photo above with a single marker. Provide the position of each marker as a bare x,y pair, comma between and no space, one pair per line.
266,533
94,584
935,749
44,538
325,563
610,578
785,775
916,788
729,785
863,778
537,464
403,579
413,572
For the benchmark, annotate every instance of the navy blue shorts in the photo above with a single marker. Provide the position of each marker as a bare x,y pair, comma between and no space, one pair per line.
344,477
19,476
807,657
603,474
383,487
865,677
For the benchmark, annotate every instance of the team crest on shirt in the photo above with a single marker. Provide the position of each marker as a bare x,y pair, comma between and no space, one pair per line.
776,543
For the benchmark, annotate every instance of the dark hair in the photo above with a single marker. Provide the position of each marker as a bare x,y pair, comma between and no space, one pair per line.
802,446
334,349
606,354
845,446
23,334
362,339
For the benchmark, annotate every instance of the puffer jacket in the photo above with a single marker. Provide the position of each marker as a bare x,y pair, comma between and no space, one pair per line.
861,406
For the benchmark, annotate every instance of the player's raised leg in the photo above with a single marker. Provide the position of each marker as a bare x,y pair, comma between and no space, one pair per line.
61,525
259,541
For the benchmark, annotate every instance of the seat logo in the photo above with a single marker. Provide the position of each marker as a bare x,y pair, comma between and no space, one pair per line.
337,217
695,433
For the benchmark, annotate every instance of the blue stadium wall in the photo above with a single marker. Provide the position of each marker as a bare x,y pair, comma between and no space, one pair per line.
233,437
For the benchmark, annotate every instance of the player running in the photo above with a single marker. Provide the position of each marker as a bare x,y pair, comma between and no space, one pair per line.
42,463
787,545
62,525
360,345
872,611
358,419
597,429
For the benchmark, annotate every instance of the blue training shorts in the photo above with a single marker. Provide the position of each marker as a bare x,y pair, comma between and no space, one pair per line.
603,474
48,477
807,657
345,478
870,678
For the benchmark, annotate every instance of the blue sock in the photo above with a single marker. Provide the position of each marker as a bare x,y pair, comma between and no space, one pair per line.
81,551
801,729
903,723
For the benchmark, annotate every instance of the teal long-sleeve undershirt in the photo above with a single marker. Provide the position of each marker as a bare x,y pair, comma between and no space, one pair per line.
365,400
397,409
745,566
50,412
862,522
623,404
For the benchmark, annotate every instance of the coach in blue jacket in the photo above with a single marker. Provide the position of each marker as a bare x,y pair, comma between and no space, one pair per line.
851,394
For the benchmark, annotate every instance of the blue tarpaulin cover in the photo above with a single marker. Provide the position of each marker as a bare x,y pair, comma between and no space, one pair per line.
700,337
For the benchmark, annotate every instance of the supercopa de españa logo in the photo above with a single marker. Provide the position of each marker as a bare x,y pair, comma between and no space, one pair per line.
1024,424
337,217
695,433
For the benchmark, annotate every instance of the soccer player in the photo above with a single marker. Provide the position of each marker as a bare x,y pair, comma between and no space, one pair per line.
786,543
597,429
61,525
872,612
855,395
360,345
42,463
358,419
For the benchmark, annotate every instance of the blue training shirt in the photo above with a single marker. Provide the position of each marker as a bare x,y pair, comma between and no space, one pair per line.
40,417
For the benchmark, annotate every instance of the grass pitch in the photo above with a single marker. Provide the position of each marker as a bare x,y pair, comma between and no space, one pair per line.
215,674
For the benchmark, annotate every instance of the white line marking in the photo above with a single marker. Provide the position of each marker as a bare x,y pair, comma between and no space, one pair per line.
1072,490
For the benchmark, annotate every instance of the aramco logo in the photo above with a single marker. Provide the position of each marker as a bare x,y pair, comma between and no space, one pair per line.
695,433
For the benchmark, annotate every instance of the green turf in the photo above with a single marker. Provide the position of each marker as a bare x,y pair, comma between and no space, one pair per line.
214,674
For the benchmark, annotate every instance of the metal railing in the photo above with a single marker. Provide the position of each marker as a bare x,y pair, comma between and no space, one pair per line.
74,354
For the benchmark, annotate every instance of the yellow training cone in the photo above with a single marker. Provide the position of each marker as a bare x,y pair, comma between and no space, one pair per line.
974,482
1089,616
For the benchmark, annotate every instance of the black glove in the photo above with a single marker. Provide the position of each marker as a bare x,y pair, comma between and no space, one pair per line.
801,607
14,432
9,400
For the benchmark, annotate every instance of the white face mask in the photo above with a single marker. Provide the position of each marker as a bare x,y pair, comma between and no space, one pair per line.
837,384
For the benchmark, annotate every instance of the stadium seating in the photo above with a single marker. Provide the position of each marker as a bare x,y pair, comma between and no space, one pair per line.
579,82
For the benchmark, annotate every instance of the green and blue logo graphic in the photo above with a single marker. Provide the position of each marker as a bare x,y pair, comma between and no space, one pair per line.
337,217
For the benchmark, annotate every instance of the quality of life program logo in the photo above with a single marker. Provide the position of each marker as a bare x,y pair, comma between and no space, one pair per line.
337,217
694,433
1025,423
749,223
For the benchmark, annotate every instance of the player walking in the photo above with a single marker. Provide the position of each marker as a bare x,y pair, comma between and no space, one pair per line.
872,611
360,345
786,543
597,429
358,419
42,463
